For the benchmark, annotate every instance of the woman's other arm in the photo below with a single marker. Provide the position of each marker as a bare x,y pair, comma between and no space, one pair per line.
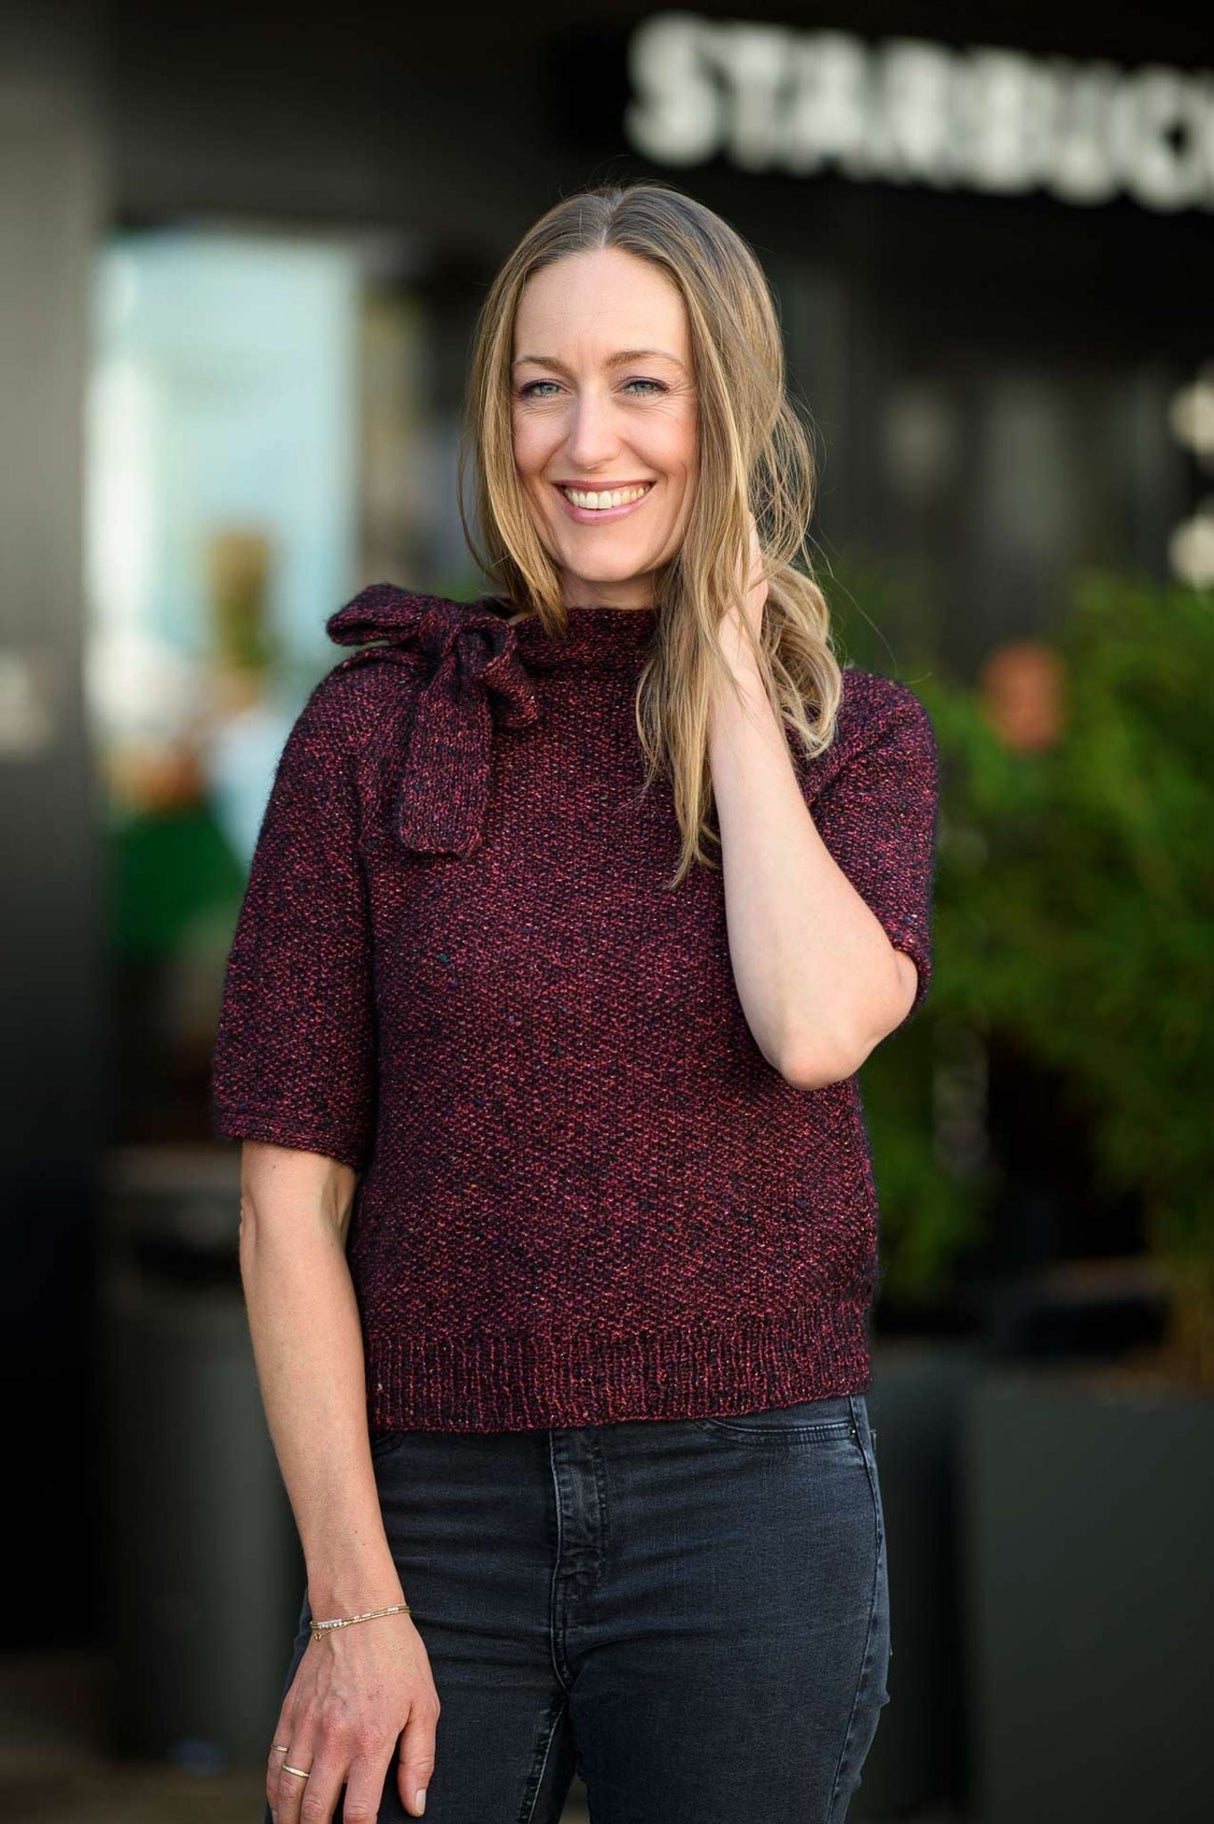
818,950
359,1688
819,981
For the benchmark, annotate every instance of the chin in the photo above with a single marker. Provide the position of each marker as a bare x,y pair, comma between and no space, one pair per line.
606,568
608,573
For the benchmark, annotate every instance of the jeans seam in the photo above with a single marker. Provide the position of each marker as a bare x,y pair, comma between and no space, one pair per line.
600,1484
554,1587
526,1816
879,1534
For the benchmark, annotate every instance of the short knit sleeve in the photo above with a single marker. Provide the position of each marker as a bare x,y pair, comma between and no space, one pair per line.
878,817
294,1055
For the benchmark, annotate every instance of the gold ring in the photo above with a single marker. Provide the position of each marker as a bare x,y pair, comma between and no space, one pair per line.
280,1748
297,1771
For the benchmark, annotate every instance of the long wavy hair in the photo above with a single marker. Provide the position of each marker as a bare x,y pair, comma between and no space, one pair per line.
754,455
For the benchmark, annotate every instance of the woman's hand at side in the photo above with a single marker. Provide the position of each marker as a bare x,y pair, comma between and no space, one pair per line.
355,1694
359,1689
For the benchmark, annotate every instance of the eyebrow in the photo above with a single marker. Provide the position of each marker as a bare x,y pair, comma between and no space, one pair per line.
625,355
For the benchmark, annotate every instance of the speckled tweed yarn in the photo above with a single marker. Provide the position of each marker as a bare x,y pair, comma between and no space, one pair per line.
585,1195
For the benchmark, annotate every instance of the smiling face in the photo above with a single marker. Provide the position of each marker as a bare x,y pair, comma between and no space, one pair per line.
604,420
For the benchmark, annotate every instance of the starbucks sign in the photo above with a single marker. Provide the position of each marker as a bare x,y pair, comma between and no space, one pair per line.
908,111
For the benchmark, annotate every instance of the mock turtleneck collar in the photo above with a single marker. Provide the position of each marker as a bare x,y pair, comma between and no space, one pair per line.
599,637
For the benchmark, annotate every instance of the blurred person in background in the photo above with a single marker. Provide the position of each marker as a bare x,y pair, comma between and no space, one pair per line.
574,911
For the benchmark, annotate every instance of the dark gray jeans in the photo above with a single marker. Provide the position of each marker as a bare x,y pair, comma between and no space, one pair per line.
694,1613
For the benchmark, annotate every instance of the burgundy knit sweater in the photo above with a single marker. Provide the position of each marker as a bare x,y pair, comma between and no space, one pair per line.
585,1194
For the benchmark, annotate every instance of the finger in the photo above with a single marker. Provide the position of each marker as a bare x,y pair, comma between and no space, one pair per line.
274,1761
417,1759
365,1786
292,1787
319,1796
279,1748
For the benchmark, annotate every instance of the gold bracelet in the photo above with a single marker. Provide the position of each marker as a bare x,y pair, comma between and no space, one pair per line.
320,1628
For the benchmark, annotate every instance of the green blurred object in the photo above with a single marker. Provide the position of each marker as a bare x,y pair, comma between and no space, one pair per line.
1074,911
884,617
164,869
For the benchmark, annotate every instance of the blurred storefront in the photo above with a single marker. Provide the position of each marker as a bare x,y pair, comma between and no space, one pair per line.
989,264
994,266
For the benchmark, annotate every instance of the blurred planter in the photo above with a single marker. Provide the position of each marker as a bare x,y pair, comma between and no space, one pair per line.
1089,1508
916,1405
1074,908
204,1571
1073,905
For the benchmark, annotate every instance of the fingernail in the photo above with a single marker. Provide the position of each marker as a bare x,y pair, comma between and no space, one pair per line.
419,1798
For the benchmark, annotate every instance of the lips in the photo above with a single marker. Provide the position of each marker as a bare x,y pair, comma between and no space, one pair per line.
603,499
619,501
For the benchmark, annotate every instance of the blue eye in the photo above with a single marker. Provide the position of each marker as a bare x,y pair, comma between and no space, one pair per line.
530,390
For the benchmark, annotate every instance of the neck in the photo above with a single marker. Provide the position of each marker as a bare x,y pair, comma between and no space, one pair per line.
625,593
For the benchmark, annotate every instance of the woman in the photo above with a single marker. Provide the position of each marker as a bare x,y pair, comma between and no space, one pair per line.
558,1228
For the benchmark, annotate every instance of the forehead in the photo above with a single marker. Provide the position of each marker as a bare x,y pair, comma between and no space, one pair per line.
600,301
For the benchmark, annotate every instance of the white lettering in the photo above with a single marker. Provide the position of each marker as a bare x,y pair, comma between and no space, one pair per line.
827,121
754,62
911,130
679,117
1005,121
1205,86
1159,138
1083,168
909,111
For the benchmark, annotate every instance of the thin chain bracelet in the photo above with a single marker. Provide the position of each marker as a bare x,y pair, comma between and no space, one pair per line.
320,1628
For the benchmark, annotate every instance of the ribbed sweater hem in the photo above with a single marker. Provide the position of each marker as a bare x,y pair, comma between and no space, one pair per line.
522,1380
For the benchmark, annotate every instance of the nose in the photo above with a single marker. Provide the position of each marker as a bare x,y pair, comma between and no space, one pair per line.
593,438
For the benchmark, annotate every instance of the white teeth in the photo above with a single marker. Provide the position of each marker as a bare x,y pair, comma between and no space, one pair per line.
619,498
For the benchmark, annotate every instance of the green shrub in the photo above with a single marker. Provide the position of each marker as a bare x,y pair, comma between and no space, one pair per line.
1074,913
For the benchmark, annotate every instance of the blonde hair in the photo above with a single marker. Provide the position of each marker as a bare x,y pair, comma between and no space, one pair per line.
754,455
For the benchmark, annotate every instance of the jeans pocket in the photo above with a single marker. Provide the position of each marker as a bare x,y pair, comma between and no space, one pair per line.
825,1421
385,1442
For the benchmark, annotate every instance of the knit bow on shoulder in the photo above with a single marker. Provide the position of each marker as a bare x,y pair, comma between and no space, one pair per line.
474,679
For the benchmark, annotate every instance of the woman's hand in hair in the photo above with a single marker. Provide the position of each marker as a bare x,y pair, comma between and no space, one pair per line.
753,595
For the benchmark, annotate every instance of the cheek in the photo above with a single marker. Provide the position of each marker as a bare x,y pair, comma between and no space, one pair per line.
530,448
678,453
684,489
682,477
